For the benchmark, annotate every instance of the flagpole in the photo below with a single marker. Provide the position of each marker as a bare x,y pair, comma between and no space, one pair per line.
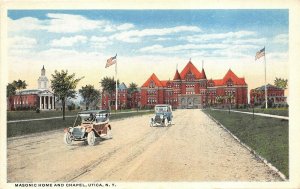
266,95
116,84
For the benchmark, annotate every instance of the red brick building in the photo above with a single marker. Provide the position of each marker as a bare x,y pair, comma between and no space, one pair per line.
275,95
40,98
123,101
191,89
32,99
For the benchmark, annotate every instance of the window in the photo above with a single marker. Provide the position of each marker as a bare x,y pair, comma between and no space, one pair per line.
152,84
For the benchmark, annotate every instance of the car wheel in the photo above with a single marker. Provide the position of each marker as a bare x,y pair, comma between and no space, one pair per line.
151,124
91,138
109,133
67,138
166,122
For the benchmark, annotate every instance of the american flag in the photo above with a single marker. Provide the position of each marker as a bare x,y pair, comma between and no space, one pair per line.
260,53
111,61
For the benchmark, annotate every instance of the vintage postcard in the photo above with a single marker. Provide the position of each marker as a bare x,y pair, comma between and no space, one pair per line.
156,95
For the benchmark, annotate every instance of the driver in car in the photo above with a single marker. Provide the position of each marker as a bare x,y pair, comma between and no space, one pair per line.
90,118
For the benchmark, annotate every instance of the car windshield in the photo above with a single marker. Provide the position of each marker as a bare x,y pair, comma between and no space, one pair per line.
87,117
160,109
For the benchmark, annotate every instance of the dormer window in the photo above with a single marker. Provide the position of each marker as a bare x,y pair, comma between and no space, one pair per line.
229,83
152,84
190,76
211,84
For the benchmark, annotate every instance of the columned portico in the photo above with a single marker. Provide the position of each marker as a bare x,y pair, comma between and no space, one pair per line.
47,101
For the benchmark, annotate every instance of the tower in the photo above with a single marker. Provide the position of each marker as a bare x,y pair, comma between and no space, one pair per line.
43,80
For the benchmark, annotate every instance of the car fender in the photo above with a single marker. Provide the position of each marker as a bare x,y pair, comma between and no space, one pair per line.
108,125
89,130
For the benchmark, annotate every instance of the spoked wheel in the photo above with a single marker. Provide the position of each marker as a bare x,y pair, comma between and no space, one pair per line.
91,138
67,138
166,122
109,133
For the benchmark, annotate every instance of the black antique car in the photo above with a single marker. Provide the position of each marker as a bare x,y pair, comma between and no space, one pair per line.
163,115
91,124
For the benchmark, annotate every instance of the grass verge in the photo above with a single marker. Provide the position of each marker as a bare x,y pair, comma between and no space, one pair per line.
23,128
269,137
19,115
280,112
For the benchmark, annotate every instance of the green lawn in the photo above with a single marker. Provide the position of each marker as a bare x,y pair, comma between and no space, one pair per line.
19,115
22,128
269,137
273,111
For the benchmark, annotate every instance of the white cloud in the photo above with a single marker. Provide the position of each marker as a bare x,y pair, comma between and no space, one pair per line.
68,41
67,23
136,35
125,26
163,39
281,39
25,24
278,56
260,41
20,42
218,36
100,42
190,47
152,48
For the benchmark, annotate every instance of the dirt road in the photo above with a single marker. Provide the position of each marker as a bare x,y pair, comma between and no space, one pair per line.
193,149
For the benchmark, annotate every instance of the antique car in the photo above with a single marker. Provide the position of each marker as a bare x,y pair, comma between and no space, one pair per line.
163,115
88,126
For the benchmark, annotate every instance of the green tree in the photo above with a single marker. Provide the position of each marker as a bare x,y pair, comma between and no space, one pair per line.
230,97
63,86
108,85
219,99
132,87
20,85
89,94
281,83
10,90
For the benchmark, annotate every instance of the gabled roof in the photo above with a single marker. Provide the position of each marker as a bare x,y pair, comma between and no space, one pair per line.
262,88
218,82
235,79
153,78
229,76
190,67
177,76
122,86
164,83
203,75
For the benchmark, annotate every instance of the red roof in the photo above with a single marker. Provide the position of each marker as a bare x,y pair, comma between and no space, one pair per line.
177,76
153,78
235,79
203,74
218,82
230,76
164,83
190,67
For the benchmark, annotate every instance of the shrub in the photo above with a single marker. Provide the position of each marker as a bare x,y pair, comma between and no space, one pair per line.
37,110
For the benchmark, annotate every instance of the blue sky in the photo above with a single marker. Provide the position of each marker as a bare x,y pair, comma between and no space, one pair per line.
67,39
